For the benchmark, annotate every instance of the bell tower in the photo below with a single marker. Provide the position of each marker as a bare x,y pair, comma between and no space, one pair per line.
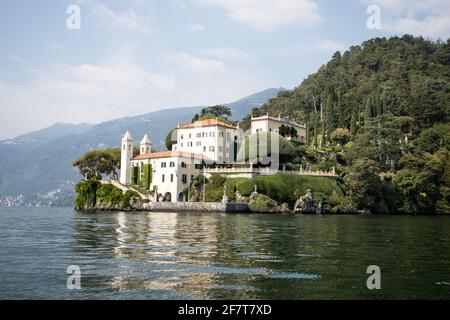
125,159
145,145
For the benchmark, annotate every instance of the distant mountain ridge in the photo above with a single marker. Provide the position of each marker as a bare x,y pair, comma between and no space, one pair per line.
38,165
48,134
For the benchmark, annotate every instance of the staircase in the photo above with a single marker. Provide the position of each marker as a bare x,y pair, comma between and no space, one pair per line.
144,194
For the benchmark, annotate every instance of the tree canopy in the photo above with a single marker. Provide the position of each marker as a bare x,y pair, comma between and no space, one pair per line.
217,111
96,163
386,103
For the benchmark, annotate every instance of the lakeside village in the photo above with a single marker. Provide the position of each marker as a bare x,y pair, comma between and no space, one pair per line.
213,166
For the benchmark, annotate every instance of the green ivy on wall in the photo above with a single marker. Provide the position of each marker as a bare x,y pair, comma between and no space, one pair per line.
135,177
147,178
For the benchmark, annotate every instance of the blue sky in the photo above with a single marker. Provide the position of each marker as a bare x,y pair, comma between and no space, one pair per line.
133,57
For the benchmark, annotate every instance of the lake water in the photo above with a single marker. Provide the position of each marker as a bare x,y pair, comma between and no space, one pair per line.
220,256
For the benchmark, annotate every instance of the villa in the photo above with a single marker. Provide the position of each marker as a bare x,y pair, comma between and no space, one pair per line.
168,174
214,139
293,131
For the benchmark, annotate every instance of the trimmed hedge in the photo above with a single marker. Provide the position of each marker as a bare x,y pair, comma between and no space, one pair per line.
136,176
288,187
147,178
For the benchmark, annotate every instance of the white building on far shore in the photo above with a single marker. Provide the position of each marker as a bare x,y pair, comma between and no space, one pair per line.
267,123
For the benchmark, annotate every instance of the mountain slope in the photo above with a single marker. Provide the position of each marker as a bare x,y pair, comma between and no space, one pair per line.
380,114
39,165
404,76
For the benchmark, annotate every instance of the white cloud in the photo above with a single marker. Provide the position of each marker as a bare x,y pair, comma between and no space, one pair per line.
128,20
119,88
16,58
328,46
430,27
430,19
55,45
268,14
225,53
195,64
195,27
323,46
410,7
80,93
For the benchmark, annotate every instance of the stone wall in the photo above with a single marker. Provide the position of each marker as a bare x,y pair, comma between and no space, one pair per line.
196,207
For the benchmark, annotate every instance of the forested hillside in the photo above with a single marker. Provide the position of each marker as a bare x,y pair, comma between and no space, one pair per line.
380,113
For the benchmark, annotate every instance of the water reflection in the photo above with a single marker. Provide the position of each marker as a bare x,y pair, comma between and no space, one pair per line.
168,255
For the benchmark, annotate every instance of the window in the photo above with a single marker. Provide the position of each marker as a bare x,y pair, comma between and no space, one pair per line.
183,165
189,144
172,164
163,164
181,136
184,178
181,144
171,178
163,178
198,166
198,144
211,149
190,135
220,134
199,135
211,134
204,149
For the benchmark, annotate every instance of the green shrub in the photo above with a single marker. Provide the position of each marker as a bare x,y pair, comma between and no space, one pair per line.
326,165
128,196
86,194
263,204
340,204
109,195
232,188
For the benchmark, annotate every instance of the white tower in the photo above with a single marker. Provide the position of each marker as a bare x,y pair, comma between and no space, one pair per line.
125,160
145,146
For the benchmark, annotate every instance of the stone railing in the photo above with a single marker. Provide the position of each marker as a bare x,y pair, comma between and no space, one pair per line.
270,172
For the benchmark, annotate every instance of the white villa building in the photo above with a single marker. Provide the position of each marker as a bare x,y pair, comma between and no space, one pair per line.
212,138
267,123
168,174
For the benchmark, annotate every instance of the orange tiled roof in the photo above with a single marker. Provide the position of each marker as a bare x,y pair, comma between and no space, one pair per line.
207,123
169,154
